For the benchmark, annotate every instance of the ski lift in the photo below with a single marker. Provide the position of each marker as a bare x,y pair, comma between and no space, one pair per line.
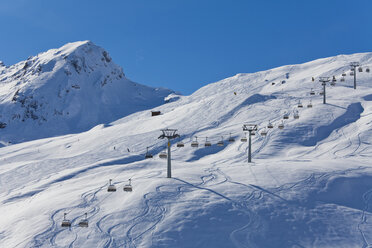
180,144
111,187
128,187
231,139
253,133
244,139
312,92
207,143
300,104
360,69
352,69
310,105
272,83
333,83
163,155
321,93
84,222
344,74
286,116
195,143
270,125
263,132
65,222
351,73
148,155
367,69
334,79
342,79
296,115
281,125
220,143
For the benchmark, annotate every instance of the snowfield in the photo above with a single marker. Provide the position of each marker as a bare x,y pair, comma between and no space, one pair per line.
310,184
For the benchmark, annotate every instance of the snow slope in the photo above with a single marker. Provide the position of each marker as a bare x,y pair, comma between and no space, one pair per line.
68,90
309,186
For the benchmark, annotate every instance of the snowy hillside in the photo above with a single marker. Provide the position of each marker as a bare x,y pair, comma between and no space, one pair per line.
309,185
67,90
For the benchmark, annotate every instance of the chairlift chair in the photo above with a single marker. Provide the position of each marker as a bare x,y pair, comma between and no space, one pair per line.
344,74
263,132
84,222
220,143
244,139
310,105
333,83
148,155
312,92
352,69
253,133
231,139
367,69
286,116
270,125
65,222
163,155
296,115
111,187
128,187
321,93
351,73
180,144
281,125
360,69
300,104
207,142
342,79
334,79
195,143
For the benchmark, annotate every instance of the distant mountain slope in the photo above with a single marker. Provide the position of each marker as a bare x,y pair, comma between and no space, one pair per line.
68,90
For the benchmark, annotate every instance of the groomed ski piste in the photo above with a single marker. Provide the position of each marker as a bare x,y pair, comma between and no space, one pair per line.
309,184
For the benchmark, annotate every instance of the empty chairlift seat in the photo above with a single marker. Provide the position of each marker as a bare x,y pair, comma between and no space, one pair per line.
207,142
342,79
367,69
300,104
155,113
163,155
310,105
360,69
296,115
220,143
195,143
270,125
84,222
148,155
286,116
321,93
65,222
281,125
128,187
180,144
344,74
264,132
244,139
352,73
231,139
111,187
312,92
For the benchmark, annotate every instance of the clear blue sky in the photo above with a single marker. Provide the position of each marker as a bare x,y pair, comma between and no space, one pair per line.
186,44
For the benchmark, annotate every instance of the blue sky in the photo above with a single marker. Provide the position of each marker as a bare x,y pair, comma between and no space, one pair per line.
184,45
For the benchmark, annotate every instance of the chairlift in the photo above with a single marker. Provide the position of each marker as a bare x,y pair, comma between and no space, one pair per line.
367,69
263,132
270,125
321,93
281,125
310,105
231,139
332,83
312,92
334,79
65,222
344,74
244,139
342,79
207,142
253,133
128,187
84,222
163,155
220,143
300,104
180,144
351,73
360,69
352,69
148,155
296,115
195,143
286,116
111,187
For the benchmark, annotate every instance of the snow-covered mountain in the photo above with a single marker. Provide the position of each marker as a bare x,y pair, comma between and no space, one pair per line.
67,90
309,184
